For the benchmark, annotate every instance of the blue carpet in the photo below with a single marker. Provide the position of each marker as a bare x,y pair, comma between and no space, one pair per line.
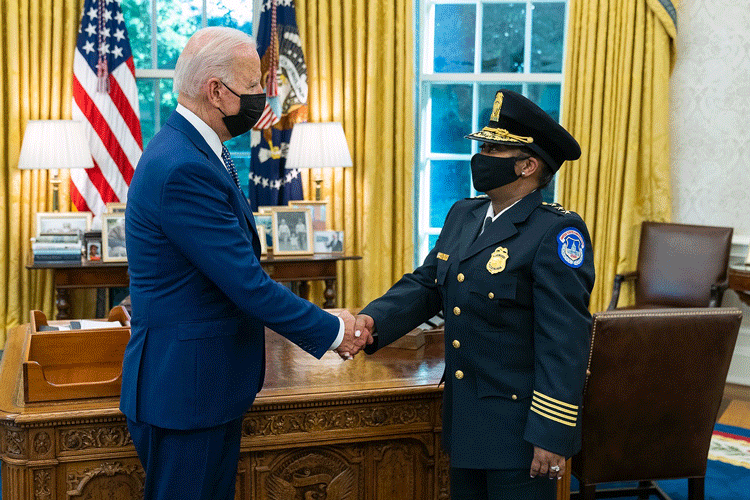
723,480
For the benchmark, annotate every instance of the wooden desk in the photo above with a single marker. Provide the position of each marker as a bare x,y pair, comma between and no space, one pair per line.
739,281
373,422
115,274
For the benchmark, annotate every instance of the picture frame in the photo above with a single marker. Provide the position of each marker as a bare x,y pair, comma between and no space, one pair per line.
266,209
115,208
94,250
328,241
318,209
63,223
113,238
292,231
266,221
262,237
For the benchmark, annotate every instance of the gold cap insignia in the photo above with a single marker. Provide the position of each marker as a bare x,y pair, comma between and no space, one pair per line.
496,264
496,107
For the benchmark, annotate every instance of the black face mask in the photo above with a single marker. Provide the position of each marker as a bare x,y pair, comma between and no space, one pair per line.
490,172
251,108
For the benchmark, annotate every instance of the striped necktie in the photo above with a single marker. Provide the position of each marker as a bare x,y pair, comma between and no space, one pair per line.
230,166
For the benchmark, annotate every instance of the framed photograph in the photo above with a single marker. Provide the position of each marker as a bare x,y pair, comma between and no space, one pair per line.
93,250
262,237
115,208
266,209
113,238
328,241
266,221
292,231
318,210
62,222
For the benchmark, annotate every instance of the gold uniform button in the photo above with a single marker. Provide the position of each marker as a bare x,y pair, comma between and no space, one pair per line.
456,311
460,278
456,344
459,374
514,397
436,281
491,295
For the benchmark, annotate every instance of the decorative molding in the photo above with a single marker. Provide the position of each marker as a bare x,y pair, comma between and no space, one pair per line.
133,476
42,484
15,442
333,419
42,443
444,477
95,437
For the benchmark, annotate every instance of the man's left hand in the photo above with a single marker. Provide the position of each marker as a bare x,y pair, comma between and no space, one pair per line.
546,463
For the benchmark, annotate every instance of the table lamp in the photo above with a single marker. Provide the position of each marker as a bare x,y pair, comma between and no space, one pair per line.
52,145
318,145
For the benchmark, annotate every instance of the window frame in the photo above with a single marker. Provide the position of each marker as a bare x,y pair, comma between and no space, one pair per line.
426,78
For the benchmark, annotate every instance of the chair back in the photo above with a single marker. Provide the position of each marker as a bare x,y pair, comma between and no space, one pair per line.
655,382
678,263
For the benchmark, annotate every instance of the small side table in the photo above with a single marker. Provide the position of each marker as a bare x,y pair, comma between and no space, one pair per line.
739,281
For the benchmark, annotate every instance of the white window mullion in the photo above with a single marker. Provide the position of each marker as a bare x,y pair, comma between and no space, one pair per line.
527,39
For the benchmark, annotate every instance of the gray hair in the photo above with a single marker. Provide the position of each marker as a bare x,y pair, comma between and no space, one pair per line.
209,53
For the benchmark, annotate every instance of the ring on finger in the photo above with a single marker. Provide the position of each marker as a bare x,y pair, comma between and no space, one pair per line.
555,468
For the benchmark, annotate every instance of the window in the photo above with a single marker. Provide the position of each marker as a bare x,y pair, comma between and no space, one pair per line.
469,49
156,46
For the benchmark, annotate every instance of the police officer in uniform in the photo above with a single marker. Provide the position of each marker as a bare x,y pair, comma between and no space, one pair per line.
513,276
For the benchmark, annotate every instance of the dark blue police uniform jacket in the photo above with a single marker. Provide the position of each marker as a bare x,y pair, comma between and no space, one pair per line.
516,329
200,297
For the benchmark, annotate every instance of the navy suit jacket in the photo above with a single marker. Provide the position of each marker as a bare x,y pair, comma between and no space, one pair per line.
196,356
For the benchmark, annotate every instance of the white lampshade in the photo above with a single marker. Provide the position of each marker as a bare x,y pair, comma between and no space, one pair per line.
55,144
318,145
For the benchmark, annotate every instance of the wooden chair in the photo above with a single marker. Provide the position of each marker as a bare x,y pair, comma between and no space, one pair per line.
679,265
653,389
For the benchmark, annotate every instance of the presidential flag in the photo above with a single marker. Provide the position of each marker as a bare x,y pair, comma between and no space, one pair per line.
285,82
105,99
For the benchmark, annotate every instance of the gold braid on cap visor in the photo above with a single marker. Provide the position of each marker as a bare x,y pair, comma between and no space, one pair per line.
500,134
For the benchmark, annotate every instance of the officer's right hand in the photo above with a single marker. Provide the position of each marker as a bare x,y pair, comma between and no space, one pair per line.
366,326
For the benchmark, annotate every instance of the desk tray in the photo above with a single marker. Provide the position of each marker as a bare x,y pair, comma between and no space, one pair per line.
74,364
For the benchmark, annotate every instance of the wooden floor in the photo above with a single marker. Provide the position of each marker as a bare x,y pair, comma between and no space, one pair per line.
735,406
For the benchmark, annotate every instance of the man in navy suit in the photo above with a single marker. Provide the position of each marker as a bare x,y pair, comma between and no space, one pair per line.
200,298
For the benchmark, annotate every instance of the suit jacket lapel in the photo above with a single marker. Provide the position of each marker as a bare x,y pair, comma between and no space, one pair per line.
471,229
504,227
179,122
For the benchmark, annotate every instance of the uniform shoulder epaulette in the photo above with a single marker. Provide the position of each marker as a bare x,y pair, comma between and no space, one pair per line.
556,208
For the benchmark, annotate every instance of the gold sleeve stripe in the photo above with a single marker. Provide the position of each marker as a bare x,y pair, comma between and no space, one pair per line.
542,408
553,406
552,418
567,405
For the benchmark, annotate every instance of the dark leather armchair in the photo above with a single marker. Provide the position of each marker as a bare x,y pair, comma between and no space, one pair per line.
653,389
679,265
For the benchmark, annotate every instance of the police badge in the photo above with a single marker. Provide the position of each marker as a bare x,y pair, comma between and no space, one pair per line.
496,264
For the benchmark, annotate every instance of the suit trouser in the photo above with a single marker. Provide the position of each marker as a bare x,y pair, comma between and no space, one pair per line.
480,484
188,465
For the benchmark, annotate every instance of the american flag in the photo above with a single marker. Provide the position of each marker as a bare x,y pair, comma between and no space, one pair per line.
105,99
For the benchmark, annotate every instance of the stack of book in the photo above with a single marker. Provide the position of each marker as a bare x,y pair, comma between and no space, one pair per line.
56,248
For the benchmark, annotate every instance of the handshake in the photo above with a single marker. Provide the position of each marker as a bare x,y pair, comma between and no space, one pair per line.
357,334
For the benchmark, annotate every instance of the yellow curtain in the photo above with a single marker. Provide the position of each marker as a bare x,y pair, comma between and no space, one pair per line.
360,70
36,61
616,103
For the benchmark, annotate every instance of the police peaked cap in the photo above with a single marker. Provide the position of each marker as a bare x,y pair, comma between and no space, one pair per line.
516,121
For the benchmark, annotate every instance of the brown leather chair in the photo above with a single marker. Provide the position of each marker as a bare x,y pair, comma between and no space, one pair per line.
653,389
678,266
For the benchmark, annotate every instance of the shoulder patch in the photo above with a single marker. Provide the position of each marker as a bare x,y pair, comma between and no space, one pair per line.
570,247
